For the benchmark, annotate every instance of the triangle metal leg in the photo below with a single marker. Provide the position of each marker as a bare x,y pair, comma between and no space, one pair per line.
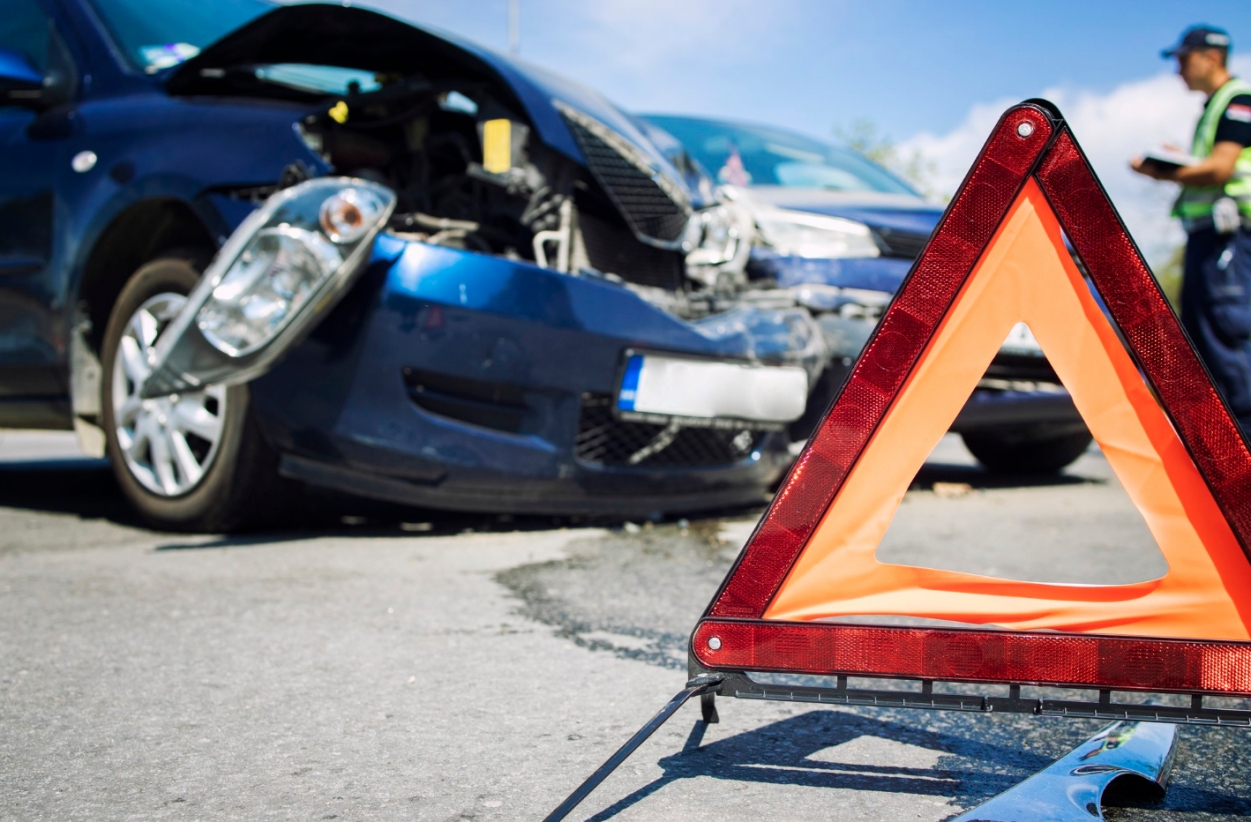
700,686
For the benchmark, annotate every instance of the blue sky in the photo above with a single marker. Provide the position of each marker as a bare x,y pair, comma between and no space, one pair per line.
907,66
932,76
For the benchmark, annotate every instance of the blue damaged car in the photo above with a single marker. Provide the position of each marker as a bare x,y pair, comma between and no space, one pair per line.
248,246
841,233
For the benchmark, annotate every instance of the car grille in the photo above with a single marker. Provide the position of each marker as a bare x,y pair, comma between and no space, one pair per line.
614,250
652,207
892,242
605,440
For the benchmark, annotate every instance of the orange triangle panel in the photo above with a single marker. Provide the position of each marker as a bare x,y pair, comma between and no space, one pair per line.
999,258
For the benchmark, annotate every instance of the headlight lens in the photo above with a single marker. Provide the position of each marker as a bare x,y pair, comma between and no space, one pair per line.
304,237
718,240
712,236
796,233
273,277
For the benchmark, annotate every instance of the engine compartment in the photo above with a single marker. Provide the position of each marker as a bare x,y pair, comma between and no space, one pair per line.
470,174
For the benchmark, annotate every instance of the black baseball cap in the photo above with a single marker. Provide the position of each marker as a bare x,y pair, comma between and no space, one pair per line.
1199,37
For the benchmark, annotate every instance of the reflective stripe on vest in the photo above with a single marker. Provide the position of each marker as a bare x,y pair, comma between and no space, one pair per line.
1195,202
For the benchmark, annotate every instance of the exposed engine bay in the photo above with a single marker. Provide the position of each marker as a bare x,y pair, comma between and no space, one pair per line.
470,174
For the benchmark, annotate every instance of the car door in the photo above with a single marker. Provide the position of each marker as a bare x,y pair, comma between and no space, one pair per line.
32,144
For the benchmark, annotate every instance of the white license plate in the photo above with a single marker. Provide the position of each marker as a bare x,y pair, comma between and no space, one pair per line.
676,387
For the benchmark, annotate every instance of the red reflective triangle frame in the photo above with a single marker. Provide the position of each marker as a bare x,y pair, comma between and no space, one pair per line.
1031,141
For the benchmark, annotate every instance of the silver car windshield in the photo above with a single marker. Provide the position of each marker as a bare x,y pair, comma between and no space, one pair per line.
748,155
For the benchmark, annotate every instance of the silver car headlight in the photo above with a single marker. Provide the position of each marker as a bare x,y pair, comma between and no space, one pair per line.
266,286
284,267
718,240
797,233
306,240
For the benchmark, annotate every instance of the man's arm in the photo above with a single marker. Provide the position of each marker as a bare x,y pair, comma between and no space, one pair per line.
1214,170
1233,134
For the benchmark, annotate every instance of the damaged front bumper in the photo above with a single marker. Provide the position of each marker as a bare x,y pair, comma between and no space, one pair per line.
457,380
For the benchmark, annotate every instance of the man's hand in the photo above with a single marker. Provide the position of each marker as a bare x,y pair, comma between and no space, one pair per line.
1214,170
1152,170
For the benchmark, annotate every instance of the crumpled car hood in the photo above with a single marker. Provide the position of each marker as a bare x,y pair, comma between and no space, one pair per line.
346,37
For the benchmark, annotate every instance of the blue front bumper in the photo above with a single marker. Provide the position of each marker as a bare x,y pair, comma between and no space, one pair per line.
462,381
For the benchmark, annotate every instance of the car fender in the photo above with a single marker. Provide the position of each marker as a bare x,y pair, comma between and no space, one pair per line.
141,159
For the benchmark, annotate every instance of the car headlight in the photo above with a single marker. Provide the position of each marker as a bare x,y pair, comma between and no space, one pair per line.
270,282
718,240
287,264
796,233
301,246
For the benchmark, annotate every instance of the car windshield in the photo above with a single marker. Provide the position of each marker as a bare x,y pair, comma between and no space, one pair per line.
757,155
155,36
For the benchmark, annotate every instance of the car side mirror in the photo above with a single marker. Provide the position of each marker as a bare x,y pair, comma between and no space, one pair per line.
20,82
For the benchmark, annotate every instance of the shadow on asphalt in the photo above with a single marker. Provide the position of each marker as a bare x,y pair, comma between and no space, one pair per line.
969,771
85,488
782,753
980,478
80,487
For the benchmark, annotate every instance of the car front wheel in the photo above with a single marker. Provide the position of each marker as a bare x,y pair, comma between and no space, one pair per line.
1041,450
192,461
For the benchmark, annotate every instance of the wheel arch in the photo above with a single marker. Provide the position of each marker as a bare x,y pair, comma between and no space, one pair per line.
140,233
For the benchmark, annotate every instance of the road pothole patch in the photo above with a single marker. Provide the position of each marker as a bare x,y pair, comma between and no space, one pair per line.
635,593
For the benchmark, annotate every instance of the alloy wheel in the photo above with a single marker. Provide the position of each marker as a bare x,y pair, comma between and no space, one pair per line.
168,443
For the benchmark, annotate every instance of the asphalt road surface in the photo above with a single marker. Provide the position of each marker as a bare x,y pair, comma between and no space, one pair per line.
378,663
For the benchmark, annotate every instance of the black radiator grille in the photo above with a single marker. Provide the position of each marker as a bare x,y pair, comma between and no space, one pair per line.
614,250
605,440
649,210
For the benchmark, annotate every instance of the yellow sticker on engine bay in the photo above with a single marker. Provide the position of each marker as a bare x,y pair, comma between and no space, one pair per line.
497,151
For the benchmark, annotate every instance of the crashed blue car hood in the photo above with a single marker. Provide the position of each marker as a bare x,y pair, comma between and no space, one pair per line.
347,37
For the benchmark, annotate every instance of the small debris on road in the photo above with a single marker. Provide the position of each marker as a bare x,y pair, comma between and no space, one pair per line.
952,490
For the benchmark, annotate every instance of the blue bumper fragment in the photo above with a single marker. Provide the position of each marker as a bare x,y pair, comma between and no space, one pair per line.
1071,790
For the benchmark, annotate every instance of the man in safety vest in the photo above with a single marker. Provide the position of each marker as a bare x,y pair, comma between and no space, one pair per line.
1215,209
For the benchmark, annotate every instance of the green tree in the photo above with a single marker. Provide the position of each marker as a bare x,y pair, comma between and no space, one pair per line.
863,136
1169,275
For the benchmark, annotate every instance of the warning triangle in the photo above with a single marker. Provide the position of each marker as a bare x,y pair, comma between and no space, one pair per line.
999,258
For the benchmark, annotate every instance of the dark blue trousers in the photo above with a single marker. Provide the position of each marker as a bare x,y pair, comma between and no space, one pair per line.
1216,312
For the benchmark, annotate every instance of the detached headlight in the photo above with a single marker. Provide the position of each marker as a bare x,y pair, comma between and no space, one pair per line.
285,266
304,242
795,233
270,282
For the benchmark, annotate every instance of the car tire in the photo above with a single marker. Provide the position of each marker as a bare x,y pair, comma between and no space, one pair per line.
196,462
1026,450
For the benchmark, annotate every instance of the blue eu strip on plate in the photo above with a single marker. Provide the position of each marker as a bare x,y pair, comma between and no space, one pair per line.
630,383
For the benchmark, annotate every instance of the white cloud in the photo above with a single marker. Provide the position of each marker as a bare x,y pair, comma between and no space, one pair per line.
1112,127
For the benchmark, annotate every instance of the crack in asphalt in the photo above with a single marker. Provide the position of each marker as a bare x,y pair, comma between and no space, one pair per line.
637,593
